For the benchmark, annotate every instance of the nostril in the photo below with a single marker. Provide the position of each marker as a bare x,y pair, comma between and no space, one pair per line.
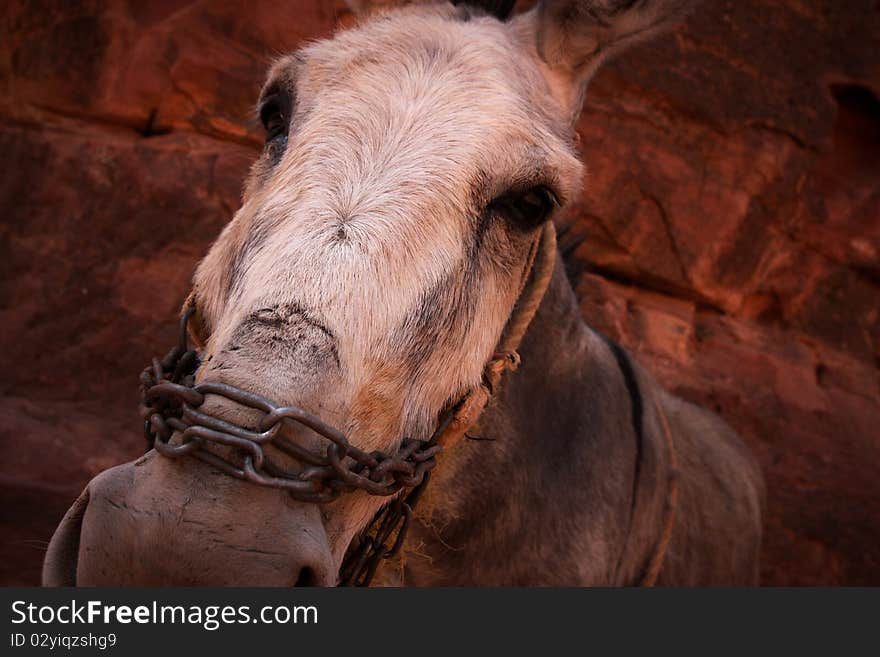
307,577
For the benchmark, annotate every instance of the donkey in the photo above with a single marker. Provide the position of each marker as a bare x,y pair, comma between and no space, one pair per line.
411,165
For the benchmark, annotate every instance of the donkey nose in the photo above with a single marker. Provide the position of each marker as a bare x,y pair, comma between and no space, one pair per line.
158,522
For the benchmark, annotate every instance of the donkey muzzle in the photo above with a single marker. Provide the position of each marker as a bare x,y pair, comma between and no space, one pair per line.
154,522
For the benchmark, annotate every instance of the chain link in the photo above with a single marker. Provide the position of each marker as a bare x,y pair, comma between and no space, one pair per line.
175,426
171,403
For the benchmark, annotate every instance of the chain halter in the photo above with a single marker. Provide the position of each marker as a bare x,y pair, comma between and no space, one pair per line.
175,426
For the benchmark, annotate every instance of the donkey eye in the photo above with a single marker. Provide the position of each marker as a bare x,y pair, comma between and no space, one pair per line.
273,119
526,209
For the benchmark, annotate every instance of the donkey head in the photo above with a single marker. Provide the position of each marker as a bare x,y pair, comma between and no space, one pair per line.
385,231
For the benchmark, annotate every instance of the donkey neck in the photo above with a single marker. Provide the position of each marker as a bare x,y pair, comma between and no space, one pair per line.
535,494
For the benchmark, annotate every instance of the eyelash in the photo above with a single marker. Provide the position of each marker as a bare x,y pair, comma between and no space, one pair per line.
526,209
273,117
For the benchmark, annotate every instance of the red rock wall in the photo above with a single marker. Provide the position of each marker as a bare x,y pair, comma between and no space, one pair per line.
729,236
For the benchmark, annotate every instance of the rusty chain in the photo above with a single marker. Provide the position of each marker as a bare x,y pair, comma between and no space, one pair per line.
175,427
170,406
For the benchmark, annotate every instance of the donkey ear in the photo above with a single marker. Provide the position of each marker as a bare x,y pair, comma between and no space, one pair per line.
575,36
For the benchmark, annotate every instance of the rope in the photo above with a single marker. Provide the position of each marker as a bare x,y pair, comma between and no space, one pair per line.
532,295
539,271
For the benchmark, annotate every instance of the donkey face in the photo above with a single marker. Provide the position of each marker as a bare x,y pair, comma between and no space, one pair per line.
381,244
385,228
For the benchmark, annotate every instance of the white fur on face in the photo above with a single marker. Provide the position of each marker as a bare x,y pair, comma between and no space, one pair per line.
371,225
